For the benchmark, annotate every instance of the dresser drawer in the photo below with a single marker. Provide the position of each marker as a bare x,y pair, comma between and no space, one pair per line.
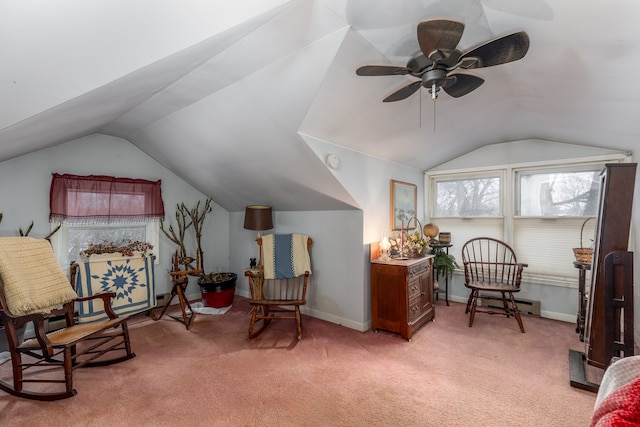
414,288
416,270
415,309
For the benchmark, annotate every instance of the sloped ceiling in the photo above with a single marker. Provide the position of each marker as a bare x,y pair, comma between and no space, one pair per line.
223,92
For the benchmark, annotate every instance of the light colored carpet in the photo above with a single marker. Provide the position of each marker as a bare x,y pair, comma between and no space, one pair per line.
448,375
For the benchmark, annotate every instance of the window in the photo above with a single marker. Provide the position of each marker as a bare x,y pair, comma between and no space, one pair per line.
97,209
466,197
71,239
469,205
539,210
557,193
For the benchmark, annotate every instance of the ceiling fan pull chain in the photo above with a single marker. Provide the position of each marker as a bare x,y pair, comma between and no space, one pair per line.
420,111
434,95
434,116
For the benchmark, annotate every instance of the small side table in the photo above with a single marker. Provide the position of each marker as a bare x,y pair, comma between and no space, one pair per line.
582,298
438,291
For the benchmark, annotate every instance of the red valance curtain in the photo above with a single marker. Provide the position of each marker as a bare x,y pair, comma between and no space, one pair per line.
98,199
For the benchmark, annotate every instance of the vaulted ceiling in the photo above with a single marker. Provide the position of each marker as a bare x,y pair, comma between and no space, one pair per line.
225,93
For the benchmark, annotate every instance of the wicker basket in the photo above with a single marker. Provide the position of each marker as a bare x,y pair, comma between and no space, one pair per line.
582,254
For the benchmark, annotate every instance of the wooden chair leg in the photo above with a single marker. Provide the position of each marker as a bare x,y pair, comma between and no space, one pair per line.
68,356
16,360
267,319
252,322
298,322
127,342
516,312
505,305
474,305
469,303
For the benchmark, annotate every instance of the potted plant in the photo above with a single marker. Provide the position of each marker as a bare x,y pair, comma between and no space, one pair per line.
217,288
444,264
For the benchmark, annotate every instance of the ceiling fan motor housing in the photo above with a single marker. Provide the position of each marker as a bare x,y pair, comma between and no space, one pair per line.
437,76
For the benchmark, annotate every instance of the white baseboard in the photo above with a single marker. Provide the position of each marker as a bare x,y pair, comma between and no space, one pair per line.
571,318
358,326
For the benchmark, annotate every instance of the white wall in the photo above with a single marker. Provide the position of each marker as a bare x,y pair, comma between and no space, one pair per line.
25,182
337,291
367,179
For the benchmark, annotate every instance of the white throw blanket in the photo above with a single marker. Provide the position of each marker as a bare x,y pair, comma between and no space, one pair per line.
285,255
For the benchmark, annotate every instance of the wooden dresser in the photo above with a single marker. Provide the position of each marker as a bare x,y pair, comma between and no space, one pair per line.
401,294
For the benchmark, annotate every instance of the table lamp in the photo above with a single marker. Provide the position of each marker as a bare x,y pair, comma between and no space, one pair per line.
258,217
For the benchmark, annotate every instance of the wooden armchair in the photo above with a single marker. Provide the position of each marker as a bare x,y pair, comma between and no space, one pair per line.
491,267
33,288
279,287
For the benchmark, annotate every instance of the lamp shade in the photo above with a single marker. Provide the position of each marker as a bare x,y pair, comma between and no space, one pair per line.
258,217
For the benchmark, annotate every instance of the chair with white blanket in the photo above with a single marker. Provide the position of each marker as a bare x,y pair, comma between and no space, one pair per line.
279,286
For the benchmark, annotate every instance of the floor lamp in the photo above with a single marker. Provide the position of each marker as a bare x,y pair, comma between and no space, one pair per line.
258,218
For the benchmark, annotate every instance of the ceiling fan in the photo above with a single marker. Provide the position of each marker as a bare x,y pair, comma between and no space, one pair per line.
438,58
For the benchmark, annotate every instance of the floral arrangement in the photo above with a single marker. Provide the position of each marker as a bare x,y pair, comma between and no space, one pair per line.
414,244
126,248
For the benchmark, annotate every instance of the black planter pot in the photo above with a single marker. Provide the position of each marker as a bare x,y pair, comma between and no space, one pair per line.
218,294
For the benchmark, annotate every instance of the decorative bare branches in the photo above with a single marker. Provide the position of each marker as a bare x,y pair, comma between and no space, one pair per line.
26,233
197,219
186,218
181,220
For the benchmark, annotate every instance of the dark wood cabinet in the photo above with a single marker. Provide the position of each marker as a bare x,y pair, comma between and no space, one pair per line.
612,234
401,295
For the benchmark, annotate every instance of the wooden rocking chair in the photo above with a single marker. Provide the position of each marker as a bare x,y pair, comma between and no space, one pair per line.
275,294
33,288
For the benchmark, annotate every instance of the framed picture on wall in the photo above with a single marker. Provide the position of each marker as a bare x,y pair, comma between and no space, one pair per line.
403,204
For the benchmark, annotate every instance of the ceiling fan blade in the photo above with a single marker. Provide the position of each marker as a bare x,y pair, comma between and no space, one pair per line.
438,37
463,84
404,92
501,50
382,70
